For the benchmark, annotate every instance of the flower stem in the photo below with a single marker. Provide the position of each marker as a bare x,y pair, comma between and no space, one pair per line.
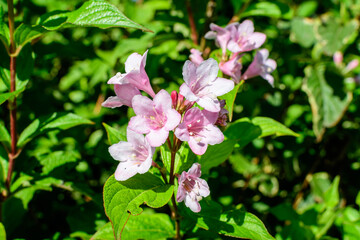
174,212
194,33
12,102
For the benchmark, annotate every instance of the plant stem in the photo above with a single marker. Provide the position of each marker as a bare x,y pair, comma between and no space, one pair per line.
12,103
174,212
194,34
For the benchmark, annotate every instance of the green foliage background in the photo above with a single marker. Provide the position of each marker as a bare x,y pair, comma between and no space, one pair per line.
303,187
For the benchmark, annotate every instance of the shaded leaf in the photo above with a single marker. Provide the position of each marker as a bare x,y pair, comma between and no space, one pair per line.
10,95
4,30
123,199
184,158
327,108
25,33
4,135
57,159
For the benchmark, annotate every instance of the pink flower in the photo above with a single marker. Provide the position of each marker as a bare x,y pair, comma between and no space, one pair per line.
202,84
232,68
196,57
244,39
262,66
351,65
192,188
124,95
135,156
179,103
198,130
223,115
154,118
222,35
338,58
135,74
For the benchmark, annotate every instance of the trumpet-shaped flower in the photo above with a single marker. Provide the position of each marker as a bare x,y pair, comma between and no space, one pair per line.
221,35
232,68
202,84
198,130
244,39
154,117
262,66
223,115
192,188
196,57
135,74
124,95
135,156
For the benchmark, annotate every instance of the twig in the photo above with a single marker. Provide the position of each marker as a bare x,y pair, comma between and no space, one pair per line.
194,33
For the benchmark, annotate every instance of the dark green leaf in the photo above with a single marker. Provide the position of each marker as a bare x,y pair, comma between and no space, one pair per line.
114,135
55,121
4,30
284,212
123,199
24,34
93,13
236,223
4,135
327,108
215,155
57,159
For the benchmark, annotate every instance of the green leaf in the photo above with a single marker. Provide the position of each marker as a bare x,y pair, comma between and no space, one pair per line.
4,135
57,159
307,8
245,130
302,31
10,95
149,226
327,108
334,36
215,155
4,30
230,99
235,223
25,33
331,195
358,199
55,121
284,212
2,232
114,135
184,158
104,233
268,9
123,199
93,13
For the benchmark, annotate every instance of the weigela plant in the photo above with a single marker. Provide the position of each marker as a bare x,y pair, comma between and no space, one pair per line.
191,116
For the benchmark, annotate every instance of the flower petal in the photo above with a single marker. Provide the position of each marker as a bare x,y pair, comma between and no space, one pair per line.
112,102
121,151
133,62
198,148
189,72
193,204
173,119
139,124
125,170
195,170
156,138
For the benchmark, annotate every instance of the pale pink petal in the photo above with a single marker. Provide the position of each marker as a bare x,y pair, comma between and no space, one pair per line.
210,117
162,101
209,104
156,138
139,124
192,204
121,151
112,102
125,170
118,79
187,93
195,170
207,72
246,27
212,134
145,166
173,119
198,148
189,72
221,86
255,41
233,46
126,92
196,57
133,62
142,105
135,138
204,189
182,133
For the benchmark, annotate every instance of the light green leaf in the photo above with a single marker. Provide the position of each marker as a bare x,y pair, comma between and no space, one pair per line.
268,9
271,127
149,226
184,158
25,33
327,108
93,13
215,155
10,95
334,36
114,135
123,199
230,99
55,121
2,232
358,199
236,223
4,135
104,233
303,31
57,159
331,195
4,30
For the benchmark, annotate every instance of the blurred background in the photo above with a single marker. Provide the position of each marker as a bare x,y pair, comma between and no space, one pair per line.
301,188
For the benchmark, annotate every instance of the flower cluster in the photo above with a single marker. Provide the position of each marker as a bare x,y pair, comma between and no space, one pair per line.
196,124
239,38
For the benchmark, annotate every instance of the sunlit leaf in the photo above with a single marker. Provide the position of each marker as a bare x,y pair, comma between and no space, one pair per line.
122,199
114,135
